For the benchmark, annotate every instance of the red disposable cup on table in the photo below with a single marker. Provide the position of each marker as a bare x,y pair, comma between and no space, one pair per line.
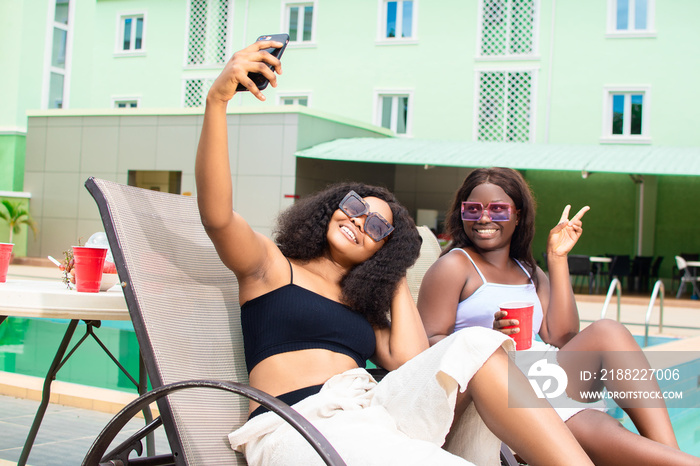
88,263
5,255
522,312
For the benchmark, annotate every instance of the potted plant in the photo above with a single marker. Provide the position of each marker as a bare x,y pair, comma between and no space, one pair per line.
16,215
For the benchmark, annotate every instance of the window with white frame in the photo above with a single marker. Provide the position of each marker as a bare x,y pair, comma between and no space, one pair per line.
296,99
57,69
505,110
208,32
131,33
626,114
126,103
631,17
394,112
300,20
507,28
398,20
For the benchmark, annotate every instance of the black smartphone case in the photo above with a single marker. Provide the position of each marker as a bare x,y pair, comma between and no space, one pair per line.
260,80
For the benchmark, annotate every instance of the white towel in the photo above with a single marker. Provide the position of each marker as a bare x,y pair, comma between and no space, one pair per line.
403,420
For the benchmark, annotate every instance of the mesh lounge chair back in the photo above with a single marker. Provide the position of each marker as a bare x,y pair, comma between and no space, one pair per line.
184,305
429,253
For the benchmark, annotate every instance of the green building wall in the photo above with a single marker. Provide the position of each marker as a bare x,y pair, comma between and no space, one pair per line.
12,148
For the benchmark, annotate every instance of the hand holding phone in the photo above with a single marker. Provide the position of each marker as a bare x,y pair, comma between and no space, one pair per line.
261,81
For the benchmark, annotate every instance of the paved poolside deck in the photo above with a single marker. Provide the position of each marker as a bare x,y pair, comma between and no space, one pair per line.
65,434
79,414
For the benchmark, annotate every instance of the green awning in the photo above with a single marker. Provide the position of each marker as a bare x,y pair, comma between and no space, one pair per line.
630,159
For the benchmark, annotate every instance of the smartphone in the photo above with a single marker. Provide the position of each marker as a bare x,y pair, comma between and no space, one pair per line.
260,80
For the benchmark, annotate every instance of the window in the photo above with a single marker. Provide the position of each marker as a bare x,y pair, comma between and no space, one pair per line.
56,78
507,28
394,112
397,20
125,103
208,32
631,18
626,115
300,22
130,36
296,99
505,106
156,180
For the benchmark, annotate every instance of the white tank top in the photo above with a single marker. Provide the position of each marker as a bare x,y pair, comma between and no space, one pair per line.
479,308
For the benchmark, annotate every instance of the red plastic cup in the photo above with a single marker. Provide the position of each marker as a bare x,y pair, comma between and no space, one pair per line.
522,311
89,263
5,254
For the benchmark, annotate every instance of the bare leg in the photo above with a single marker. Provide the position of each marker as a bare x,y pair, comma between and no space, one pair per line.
531,427
609,344
607,442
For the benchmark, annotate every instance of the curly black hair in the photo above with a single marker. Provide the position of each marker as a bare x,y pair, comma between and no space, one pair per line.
515,186
368,288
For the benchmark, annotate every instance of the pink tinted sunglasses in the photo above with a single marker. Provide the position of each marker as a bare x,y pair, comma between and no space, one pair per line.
496,211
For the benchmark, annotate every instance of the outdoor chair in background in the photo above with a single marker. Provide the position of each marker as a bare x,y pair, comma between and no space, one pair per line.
655,267
620,269
677,274
686,277
579,269
641,269
184,306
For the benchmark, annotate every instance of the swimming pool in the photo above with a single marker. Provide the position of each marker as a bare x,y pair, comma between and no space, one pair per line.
27,347
653,340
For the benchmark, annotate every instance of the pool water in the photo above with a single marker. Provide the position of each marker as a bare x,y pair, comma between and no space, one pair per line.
27,347
653,340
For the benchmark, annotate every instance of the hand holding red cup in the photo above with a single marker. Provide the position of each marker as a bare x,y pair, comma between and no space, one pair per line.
522,313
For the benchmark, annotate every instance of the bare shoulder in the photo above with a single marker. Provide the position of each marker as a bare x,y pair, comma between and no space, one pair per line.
449,267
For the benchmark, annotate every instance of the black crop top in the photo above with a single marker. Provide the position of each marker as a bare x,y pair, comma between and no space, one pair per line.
293,318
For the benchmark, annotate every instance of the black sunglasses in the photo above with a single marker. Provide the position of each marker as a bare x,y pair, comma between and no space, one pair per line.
376,226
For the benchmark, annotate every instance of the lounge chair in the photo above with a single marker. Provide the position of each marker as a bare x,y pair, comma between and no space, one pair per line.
184,306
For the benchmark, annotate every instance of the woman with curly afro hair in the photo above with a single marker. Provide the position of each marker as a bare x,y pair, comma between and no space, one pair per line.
330,292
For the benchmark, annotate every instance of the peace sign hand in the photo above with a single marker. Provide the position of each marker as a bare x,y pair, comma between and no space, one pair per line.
564,236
